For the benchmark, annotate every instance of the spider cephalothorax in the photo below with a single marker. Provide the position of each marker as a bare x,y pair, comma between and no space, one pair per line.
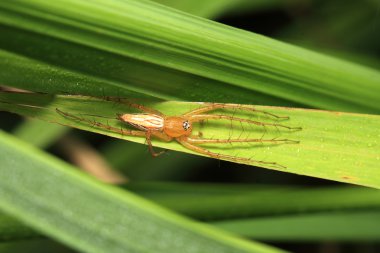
177,126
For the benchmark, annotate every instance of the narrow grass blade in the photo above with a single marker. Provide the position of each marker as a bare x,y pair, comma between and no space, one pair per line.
335,146
220,202
347,227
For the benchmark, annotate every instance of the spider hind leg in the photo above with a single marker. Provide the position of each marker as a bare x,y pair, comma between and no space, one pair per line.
100,125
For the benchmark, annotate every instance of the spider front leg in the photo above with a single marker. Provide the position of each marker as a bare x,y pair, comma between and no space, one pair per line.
186,142
212,107
201,117
209,141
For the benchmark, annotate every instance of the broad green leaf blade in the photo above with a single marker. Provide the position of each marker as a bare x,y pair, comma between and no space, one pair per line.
138,79
350,227
59,201
335,146
151,49
239,208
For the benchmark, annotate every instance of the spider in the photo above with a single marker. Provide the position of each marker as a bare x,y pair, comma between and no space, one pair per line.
152,123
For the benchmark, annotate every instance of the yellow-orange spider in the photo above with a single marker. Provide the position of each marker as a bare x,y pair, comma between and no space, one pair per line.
152,123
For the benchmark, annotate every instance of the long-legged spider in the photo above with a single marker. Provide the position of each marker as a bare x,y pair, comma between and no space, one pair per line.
153,123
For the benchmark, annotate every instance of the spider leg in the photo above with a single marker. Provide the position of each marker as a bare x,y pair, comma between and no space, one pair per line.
205,140
134,105
159,135
184,142
215,106
150,146
100,125
200,117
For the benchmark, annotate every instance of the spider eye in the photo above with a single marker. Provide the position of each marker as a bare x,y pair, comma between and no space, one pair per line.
186,125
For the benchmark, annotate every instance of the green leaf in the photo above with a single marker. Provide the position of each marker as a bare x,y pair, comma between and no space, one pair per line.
351,227
58,200
289,211
335,146
213,202
138,47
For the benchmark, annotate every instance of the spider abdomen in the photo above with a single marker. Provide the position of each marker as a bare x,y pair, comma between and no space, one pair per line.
144,121
177,126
